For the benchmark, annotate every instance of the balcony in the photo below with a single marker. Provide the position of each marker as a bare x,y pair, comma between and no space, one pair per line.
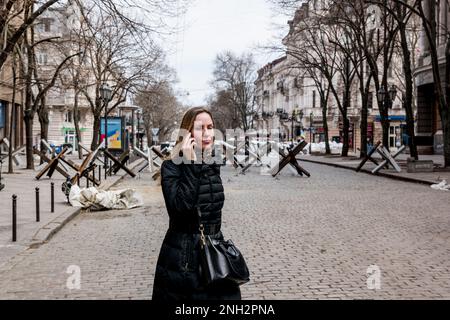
267,115
284,116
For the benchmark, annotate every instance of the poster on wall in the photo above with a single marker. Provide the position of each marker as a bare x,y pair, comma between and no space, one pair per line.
115,132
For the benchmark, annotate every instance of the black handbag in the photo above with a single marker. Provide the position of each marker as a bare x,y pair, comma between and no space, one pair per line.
221,261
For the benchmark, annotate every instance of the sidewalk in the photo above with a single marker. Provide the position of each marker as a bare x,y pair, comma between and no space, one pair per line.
352,163
29,232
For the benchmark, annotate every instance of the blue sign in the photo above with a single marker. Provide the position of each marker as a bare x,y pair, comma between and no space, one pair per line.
392,118
115,132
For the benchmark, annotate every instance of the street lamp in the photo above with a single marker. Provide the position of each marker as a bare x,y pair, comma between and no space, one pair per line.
105,96
392,94
382,94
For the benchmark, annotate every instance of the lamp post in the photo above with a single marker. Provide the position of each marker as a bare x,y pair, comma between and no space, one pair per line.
294,117
387,97
133,135
105,95
310,131
292,126
138,135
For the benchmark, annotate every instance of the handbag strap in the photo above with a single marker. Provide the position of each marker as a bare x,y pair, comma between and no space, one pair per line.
201,227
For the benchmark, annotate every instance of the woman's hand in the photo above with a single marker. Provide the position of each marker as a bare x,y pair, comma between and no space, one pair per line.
188,146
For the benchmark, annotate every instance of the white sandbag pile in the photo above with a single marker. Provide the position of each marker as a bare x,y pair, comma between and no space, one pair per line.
95,199
441,186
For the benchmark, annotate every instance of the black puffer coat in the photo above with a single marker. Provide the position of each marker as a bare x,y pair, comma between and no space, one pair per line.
177,272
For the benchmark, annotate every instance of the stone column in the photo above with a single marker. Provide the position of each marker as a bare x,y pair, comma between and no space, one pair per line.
423,40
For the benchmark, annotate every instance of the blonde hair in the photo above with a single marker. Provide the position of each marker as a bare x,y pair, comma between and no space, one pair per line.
188,124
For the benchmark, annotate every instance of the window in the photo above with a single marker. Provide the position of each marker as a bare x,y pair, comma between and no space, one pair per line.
390,71
41,58
314,99
370,101
395,136
68,116
45,25
300,85
70,137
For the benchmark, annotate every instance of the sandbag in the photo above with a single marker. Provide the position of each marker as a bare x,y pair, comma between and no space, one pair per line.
93,198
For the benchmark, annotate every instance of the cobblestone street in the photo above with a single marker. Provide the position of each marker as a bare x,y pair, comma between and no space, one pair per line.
302,238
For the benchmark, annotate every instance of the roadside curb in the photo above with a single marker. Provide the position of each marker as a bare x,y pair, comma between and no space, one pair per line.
44,234
380,174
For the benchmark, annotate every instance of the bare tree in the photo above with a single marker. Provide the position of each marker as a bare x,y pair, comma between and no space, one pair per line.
16,62
306,66
115,57
36,87
223,109
160,109
17,17
16,24
236,74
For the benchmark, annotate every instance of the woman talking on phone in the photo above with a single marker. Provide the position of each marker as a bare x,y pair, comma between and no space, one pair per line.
186,184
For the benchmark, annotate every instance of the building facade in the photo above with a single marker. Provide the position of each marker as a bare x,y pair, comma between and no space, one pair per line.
60,99
11,112
288,99
429,126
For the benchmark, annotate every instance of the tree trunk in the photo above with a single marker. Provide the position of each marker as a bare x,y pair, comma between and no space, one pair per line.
95,133
12,117
346,121
363,127
408,103
364,91
76,120
385,124
447,141
11,145
384,111
28,120
149,136
346,128
28,108
325,126
44,122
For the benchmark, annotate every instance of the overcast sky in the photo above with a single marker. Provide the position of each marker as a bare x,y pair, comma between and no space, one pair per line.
212,26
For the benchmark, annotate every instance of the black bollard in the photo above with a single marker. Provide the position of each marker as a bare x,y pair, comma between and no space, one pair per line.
14,218
52,197
38,218
87,179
